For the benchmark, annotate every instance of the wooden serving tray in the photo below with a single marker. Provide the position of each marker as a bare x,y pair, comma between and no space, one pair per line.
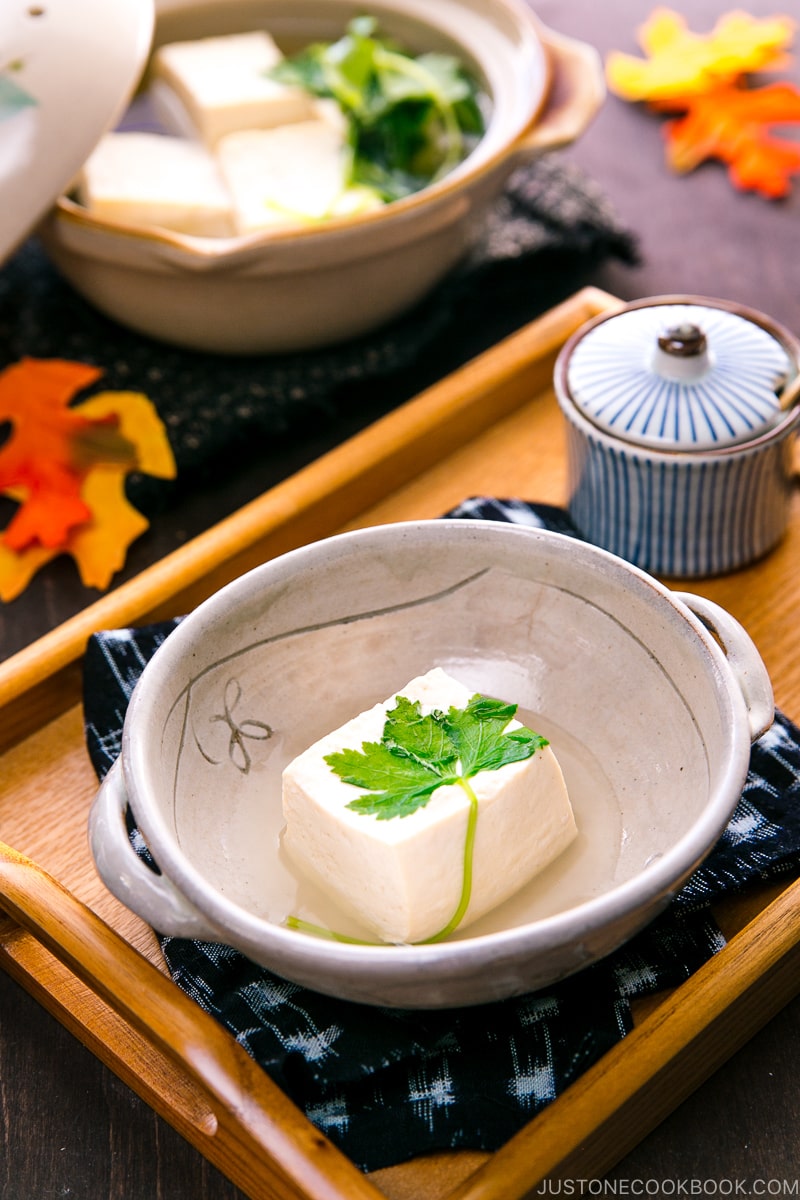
491,428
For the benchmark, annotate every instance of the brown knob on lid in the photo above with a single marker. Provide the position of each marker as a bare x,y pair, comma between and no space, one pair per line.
683,341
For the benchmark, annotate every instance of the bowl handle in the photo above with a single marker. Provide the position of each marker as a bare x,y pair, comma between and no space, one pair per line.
577,90
743,659
152,897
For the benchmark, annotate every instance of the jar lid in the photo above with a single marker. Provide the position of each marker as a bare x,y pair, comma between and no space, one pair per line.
679,376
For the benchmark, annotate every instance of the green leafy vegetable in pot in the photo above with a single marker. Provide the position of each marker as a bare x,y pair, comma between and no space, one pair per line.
411,119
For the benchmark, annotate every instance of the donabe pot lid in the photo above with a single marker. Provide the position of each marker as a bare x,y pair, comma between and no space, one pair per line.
680,374
67,72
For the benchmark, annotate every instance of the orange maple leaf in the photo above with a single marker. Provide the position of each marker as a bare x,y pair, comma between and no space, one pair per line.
731,124
67,466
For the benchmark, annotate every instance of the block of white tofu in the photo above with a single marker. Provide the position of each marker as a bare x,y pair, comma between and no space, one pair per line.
215,85
289,176
148,179
402,878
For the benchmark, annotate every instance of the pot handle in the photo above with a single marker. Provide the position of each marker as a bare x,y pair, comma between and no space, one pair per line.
742,657
577,90
151,896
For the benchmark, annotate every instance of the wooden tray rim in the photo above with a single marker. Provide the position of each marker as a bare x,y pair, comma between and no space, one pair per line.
613,1104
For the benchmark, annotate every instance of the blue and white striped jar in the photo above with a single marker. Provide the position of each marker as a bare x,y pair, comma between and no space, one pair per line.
681,415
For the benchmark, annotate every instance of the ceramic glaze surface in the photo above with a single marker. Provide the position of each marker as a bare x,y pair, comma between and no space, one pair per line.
646,715
625,384
681,519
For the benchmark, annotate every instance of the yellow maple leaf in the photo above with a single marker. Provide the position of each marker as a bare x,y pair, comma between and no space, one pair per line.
140,424
18,569
99,545
679,63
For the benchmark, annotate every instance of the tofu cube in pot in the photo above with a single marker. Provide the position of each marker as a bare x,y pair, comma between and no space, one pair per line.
289,176
215,85
152,180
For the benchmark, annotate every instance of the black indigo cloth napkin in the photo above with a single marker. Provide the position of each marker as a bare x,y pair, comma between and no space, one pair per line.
387,1085
549,230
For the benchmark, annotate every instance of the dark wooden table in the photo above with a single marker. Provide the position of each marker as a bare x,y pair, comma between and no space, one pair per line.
69,1128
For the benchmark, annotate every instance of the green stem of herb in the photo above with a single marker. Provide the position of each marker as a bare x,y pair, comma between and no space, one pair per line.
321,931
463,903
466,879
409,66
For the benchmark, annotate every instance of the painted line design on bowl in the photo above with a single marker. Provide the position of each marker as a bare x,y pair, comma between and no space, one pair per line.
240,731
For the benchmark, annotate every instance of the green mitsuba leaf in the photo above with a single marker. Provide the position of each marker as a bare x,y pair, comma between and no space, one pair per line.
419,753
478,734
396,784
409,734
411,119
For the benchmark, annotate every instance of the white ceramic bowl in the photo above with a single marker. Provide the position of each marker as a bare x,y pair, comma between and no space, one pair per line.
309,287
651,721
